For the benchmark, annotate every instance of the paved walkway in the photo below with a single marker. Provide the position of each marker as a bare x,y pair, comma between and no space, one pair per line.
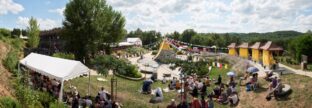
296,71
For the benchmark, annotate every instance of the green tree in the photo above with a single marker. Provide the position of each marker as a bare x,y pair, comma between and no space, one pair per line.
301,45
90,26
187,35
5,32
176,35
15,32
33,32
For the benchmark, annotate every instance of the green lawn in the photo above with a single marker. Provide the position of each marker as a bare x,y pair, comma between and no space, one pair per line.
128,93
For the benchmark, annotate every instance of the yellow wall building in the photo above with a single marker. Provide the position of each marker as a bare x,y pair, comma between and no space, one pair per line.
267,53
256,51
232,49
243,50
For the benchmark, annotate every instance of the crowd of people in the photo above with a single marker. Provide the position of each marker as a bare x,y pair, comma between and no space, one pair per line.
102,100
44,83
197,88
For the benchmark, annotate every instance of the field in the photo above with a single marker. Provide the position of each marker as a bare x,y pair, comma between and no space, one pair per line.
128,91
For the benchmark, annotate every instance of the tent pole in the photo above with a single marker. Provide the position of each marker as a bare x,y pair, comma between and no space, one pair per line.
89,83
61,91
18,68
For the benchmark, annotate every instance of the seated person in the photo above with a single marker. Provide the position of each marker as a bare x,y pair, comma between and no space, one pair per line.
222,98
233,98
146,88
217,92
232,82
268,75
178,85
207,81
158,96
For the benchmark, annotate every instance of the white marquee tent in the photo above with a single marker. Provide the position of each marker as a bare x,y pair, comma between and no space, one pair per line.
55,68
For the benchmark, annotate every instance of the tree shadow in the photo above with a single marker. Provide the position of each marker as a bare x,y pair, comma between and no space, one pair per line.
260,89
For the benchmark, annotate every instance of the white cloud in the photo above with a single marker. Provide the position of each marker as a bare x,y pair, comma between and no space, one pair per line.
59,11
216,15
44,24
7,6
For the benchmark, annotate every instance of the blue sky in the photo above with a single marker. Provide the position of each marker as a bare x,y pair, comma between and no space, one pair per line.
176,15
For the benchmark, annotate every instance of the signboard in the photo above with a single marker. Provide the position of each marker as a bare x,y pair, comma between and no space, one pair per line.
304,59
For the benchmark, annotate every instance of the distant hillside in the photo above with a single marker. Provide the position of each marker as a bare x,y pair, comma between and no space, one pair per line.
278,37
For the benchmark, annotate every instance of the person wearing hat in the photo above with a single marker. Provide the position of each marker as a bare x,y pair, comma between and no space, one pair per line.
172,104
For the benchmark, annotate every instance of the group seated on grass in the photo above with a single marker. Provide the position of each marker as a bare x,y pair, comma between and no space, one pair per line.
197,88
101,100
43,83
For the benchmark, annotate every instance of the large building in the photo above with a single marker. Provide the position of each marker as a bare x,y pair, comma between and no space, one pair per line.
50,41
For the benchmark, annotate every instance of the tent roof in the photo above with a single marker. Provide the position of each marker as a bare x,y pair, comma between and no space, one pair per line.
232,45
131,40
55,68
256,45
271,47
243,45
125,44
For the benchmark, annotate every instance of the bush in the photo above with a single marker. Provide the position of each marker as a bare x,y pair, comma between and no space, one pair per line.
154,52
309,67
103,63
57,104
179,53
11,61
7,102
64,55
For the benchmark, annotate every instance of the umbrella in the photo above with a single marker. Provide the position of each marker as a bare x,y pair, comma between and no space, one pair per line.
252,69
230,73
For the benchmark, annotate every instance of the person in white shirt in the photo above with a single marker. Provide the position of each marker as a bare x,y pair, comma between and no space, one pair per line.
103,94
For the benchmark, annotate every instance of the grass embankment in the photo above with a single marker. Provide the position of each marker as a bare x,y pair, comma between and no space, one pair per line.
128,91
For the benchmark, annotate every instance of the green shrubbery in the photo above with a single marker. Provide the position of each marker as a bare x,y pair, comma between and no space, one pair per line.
11,61
309,67
135,50
57,104
154,52
64,55
104,63
8,102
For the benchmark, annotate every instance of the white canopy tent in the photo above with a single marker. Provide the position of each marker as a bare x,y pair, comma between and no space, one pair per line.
55,68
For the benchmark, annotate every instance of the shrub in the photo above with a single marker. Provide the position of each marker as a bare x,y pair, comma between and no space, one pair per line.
309,67
64,55
179,53
154,52
57,104
7,102
11,61
104,63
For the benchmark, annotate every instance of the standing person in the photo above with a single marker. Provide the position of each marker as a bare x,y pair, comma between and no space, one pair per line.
195,103
219,81
204,103
103,94
75,103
